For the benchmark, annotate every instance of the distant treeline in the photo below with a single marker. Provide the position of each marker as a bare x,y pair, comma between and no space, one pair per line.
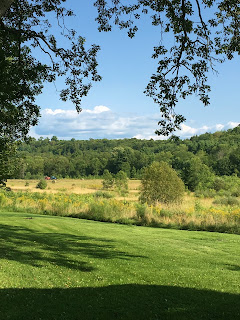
196,160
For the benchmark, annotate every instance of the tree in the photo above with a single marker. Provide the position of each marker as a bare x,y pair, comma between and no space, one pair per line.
7,160
25,28
108,180
198,44
4,6
121,183
160,183
198,175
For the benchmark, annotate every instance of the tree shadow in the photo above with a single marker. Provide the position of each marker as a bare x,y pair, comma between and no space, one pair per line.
233,267
126,302
34,248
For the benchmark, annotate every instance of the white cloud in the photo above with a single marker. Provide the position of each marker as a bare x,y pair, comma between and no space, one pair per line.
187,130
101,122
232,125
97,109
219,126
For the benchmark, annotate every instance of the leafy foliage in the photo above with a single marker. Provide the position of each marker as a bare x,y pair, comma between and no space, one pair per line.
42,184
160,183
24,29
121,183
7,160
198,175
108,180
204,33
25,33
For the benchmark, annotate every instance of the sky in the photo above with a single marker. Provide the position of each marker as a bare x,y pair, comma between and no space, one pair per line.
116,107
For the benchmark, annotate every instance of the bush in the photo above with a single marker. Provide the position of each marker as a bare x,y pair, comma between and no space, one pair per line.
121,183
160,183
42,184
236,193
3,200
227,185
208,193
141,210
227,201
108,180
102,194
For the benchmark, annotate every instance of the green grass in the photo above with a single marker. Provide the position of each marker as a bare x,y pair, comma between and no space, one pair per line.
63,268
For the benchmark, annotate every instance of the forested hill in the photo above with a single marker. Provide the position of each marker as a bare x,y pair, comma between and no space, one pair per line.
217,153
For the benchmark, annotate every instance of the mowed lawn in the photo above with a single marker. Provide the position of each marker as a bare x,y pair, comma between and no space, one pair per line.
65,268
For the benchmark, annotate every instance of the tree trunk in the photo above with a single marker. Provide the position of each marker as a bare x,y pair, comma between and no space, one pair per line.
4,5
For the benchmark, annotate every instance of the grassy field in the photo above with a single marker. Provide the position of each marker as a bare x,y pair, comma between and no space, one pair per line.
86,199
78,186
63,268
90,186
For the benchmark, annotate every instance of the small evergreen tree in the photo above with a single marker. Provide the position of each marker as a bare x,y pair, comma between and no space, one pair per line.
108,180
160,183
42,184
121,183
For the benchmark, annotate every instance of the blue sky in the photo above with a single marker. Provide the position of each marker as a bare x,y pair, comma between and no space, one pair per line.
117,107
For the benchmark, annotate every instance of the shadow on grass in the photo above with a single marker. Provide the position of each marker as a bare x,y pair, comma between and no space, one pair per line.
233,267
34,248
126,302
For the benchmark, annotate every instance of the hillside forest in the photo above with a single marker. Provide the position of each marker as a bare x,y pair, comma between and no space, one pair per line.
202,162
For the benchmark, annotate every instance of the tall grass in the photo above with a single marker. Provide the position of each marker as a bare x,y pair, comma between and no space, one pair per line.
192,215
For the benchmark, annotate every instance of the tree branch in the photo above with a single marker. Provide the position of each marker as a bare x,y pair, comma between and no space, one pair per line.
4,6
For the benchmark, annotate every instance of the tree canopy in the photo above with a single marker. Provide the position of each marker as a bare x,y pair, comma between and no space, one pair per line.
24,28
25,36
203,33
160,183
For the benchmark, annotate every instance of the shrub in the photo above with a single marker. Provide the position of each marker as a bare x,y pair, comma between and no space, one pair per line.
102,194
108,180
208,193
42,184
236,193
227,201
141,210
160,183
197,206
219,184
3,199
121,183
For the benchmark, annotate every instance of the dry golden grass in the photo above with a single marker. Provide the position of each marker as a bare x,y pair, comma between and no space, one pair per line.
88,186
78,186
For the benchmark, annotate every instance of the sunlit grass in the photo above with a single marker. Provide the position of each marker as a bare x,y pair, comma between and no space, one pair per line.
62,268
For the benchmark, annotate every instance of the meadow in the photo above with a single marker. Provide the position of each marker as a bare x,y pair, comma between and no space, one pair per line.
68,186
86,199
69,269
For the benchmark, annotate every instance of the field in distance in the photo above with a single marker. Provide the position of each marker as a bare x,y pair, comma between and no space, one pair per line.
86,199
91,186
78,186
